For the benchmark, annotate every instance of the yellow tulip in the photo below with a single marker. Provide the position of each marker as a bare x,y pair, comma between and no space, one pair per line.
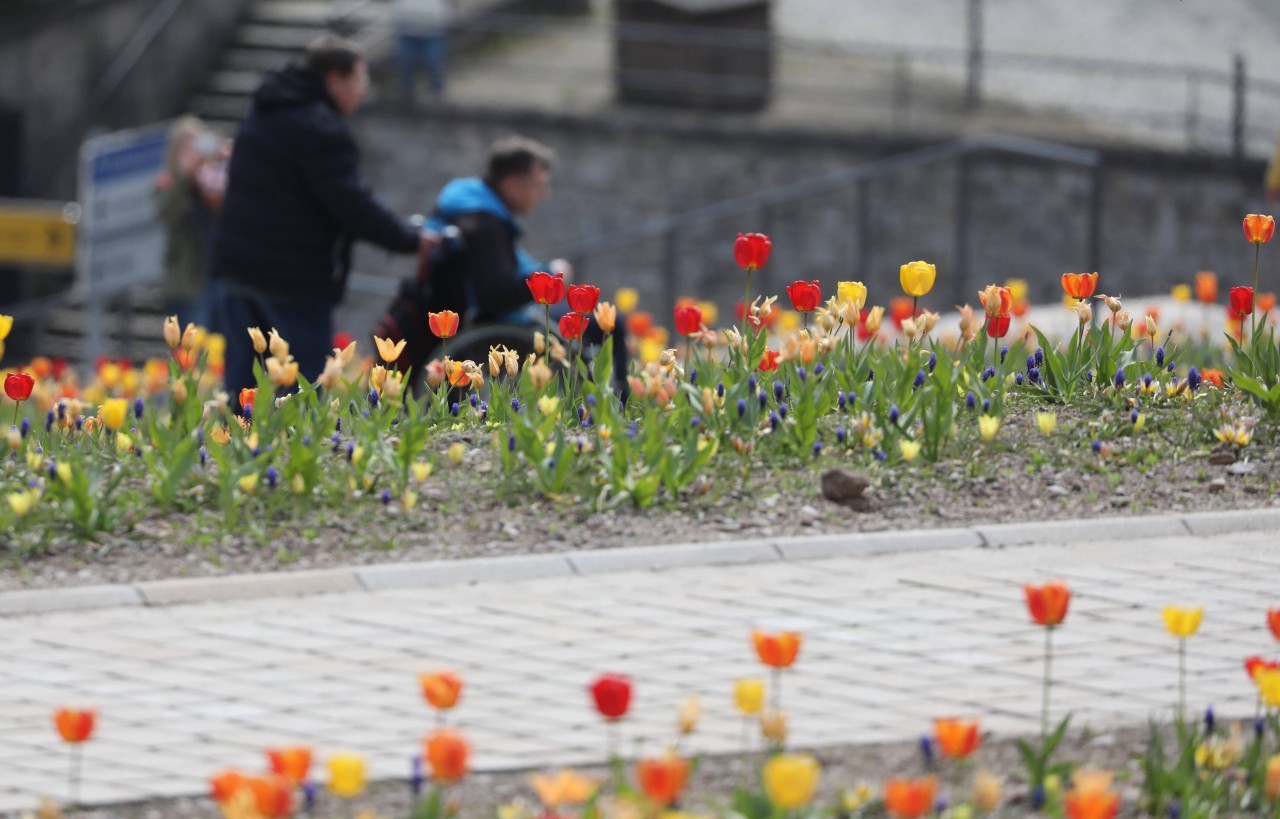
249,482
408,500
988,426
1181,293
357,455
64,472
112,413
21,502
258,339
627,298
1273,779
874,317
790,779
1269,687
6,326
1182,622
1047,422
1139,422
172,333
909,449
748,696
851,799
710,312
1017,288
852,293
689,714
548,404
773,726
299,483
278,346
456,450
421,471
346,775
283,372
986,791
917,278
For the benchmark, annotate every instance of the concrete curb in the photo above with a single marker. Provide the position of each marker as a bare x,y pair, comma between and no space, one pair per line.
640,558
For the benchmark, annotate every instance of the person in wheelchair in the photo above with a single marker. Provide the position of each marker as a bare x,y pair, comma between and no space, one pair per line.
480,270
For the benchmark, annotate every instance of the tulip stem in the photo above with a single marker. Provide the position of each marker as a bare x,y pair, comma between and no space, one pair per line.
746,317
1253,312
1048,661
16,405
74,778
1182,678
546,336
776,693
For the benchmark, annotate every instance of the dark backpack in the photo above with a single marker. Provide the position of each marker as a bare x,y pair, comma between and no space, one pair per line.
407,316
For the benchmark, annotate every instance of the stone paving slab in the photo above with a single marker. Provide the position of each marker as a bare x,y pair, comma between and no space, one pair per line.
186,690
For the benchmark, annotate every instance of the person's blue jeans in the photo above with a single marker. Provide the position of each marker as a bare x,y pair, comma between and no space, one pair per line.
429,52
307,324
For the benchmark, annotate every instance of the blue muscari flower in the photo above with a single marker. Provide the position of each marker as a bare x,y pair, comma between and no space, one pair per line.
1088,376
881,455
53,469
337,441
48,421
139,406
933,361
841,400
777,390
62,410
1119,379
1039,356
351,450
257,450
385,496
309,796
1146,380
1159,356
988,373
695,422
416,779
26,426
351,406
719,390
1259,727
893,414
693,375
338,426
1034,375
474,400
365,413
1193,379
632,430
1170,368
817,448
306,440
373,398
1031,362
1133,417
926,750
515,405
454,409
919,382
773,420
752,383
1208,720
970,400
1017,379
818,369
200,435
840,434
986,405
1175,809
803,375
782,410
940,806
32,483
204,456
742,407
273,476
591,400
1037,797
1096,446
511,442
1004,351
764,398
871,375
79,422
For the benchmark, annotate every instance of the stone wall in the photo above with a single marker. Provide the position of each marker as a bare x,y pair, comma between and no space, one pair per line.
1163,216
52,58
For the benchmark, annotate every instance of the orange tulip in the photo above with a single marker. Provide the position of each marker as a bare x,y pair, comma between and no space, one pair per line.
441,689
272,795
957,738
1265,301
997,300
1212,376
447,753
290,763
226,785
1048,603
1273,622
444,324
1092,797
777,650
1079,285
1258,228
663,779
247,394
1206,287
910,798
75,725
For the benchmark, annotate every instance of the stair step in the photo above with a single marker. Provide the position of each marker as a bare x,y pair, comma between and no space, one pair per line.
212,106
277,37
291,12
234,82
255,59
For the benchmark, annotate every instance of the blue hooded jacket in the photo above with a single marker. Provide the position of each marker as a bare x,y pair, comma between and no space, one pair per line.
472,195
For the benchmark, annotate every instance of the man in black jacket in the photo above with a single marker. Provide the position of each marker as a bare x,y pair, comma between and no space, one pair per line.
295,204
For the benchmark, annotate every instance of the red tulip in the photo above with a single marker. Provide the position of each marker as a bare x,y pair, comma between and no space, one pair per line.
1259,229
1253,666
899,310
805,296
1079,285
583,297
272,795
751,250
663,779
18,386
246,396
290,763
546,288
1273,622
776,650
225,785
910,798
1048,603
997,300
443,324
1241,301
75,725
447,752
572,325
612,694
998,326
769,361
342,339
688,320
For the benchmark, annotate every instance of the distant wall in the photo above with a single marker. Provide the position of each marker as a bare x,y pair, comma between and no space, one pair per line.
52,57
1164,216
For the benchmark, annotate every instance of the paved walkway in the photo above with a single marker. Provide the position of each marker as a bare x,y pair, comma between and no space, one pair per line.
890,642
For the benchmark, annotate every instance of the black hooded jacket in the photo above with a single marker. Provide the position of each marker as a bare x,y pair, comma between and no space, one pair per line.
295,199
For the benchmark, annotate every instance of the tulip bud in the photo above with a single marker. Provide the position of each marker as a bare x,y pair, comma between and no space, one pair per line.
909,328
606,317
1152,329
1112,302
259,341
689,714
189,338
172,335
773,726
1273,779
495,361
179,391
1123,320
539,375
874,318
279,347
435,374
927,321
378,376
986,791
539,343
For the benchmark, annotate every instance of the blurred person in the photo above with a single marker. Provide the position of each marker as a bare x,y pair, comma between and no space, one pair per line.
422,40
295,204
188,193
